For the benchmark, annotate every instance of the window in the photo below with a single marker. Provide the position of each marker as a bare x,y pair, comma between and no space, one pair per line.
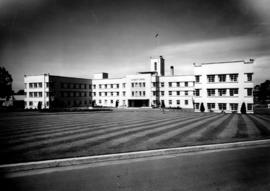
143,84
117,85
161,84
249,91
233,91
186,92
170,84
222,106
117,93
100,86
35,94
197,105
162,93
154,93
178,102
40,85
132,93
186,102
111,85
249,77
47,94
155,65
30,94
178,84
234,106
105,86
221,92
154,84
186,84
99,93
105,93
143,93
47,84
30,103
111,101
111,93
30,85
170,93
170,102
234,77
94,86
197,92
124,93
39,94
178,93
132,85
249,106
222,77
124,85
210,106
211,78
197,79
211,92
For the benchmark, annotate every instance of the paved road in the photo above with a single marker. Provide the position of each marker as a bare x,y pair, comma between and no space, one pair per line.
241,169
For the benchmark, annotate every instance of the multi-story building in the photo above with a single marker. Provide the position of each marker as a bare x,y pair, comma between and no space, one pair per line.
218,86
224,86
56,91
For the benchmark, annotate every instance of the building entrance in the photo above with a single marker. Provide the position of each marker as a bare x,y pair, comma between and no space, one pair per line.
138,103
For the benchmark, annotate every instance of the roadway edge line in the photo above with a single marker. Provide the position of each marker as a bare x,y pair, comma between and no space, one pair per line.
59,163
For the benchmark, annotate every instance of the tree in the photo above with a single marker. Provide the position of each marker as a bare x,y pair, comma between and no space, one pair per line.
262,92
5,84
20,92
243,108
202,109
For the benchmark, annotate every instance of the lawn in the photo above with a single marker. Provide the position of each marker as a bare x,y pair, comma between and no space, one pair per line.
40,136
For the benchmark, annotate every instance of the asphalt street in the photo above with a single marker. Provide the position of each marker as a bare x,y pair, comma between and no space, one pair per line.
239,169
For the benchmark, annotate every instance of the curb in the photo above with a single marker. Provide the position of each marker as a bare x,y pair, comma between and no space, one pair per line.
58,163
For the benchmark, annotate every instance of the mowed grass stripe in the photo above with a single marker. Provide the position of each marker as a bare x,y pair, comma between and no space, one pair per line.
68,128
267,118
198,131
50,124
74,138
135,138
231,129
183,130
242,128
213,133
252,130
261,125
89,141
79,130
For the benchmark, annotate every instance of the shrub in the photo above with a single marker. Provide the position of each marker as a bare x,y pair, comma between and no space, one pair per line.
243,108
202,109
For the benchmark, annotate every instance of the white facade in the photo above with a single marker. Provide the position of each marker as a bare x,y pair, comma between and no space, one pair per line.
224,86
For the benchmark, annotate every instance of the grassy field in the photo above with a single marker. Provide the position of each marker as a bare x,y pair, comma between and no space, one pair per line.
37,136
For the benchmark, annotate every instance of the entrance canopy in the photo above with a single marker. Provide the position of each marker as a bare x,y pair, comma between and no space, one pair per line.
138,103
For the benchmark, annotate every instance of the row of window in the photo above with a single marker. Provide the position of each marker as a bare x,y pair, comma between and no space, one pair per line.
108,93
223,106
105,86
138,93
172,84
37,94
75,94
74,86
224,92
186,102
36,85
171,93
224,78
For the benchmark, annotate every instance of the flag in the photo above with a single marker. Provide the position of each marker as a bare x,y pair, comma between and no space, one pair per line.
156,35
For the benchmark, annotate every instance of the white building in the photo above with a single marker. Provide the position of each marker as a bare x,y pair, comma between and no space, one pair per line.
219,86
224,86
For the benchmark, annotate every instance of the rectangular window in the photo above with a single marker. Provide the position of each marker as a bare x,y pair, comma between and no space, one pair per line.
234,106
186,84
211,106
222,106
30,103
111,101
143,93
94,86
162,93
132,93
111,85
99,93
35,94
211,78
143,84
154,93
124,93
154,84
221,92
39,94
249,106
210,92
30,94
170,84
197,92
234,77
170,93
117,85
178,93
178,102
197,105
249,91
161,84
40,85
178,84
186,92
186,102
222,77
117,93
233,91
197,79
124,85
249,77
170,102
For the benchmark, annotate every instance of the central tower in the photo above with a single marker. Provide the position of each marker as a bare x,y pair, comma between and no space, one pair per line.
158,65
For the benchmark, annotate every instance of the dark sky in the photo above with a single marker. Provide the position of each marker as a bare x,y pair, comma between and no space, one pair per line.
82,37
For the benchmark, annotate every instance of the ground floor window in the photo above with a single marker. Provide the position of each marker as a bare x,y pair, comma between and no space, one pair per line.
211,106
30,103
234,106
197,105
249,106
186,102
178,102
222,106
170,102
